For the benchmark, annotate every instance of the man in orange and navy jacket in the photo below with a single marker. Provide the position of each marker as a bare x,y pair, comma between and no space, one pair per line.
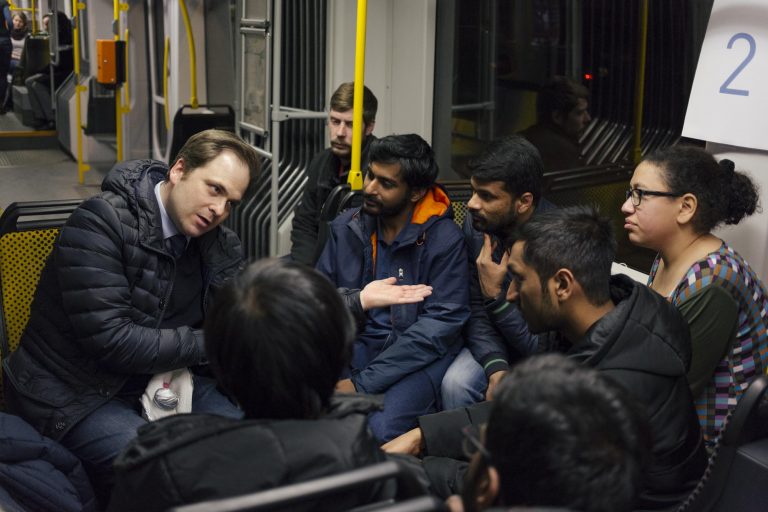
401,263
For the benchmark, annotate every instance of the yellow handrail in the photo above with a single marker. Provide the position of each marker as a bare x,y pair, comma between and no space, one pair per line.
165,82
192,57
82,167
118,93
637,152
355,178
127,105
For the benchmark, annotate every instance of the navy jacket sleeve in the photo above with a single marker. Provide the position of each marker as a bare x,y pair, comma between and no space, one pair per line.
441,316
97,298
496,330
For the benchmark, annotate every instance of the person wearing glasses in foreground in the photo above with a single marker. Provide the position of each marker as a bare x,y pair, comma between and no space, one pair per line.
677,196
559,435
561,281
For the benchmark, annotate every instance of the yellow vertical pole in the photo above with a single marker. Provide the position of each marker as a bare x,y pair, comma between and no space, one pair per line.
355,178
120,107
34,20
637,152
82,168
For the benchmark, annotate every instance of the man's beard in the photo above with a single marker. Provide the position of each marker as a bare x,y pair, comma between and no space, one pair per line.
379,210
499,228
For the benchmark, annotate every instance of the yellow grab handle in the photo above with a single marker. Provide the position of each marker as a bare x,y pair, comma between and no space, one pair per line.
192,58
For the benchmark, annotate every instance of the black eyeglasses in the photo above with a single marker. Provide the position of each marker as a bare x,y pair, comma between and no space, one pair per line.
472,444
637,195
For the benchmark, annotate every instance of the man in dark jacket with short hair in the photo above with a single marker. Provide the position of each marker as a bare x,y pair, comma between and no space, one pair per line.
123,296
328,169
561,281
507,187
404,234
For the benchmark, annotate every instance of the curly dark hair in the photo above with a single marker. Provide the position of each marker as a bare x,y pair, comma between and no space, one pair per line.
723,195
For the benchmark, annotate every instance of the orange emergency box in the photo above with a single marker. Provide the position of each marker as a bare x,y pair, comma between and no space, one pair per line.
110,55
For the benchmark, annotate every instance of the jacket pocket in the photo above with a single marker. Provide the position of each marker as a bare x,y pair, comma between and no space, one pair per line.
38,387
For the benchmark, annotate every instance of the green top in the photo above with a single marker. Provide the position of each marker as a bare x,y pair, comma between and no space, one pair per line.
712,316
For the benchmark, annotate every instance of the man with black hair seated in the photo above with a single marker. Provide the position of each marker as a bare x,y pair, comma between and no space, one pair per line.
560,264
559,435
507,187
277,337
404,234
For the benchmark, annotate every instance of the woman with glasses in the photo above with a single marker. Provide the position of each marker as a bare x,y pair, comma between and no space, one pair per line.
677,196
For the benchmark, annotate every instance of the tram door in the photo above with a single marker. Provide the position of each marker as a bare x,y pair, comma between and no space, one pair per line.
170,69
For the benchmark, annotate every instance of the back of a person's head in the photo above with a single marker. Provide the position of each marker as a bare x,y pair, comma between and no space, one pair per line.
559,95
515,162
343,98
578,239
563,435
723,195
418,167
278,337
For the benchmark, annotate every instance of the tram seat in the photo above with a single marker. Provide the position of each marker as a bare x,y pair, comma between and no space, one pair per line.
27,233
737,475
340,198
22,106
189,121
409,493
459,192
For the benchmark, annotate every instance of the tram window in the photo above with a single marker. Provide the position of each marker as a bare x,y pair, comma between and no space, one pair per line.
256,9
498,53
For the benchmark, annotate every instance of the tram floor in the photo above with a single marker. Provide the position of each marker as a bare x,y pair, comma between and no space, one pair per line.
44,174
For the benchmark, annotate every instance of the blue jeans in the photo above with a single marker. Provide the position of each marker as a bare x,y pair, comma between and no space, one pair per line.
102,435
412,396
464,383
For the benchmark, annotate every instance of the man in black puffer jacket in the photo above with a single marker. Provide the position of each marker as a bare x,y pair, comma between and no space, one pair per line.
123,296
560,265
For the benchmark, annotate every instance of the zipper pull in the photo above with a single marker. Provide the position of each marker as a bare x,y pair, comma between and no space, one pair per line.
400,274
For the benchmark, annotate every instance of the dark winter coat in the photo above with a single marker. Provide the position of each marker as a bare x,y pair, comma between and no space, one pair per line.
101,297
39,474
642,344
325,172
194,458
431,251
496,332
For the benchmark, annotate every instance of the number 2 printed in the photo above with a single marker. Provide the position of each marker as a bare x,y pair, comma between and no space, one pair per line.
724,89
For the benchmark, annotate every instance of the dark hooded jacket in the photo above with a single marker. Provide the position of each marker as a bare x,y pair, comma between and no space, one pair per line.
430,251
193,458
325,172
643,344
102,295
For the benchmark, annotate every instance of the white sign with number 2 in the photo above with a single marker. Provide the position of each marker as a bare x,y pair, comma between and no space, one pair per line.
729,98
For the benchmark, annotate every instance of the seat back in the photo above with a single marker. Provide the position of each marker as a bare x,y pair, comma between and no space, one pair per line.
189,121
341,197
289,496
459,192
27,233
743,444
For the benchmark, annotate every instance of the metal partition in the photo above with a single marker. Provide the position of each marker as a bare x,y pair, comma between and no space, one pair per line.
281,91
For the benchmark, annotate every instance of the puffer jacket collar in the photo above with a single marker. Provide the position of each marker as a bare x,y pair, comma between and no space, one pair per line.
135,181
631,335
